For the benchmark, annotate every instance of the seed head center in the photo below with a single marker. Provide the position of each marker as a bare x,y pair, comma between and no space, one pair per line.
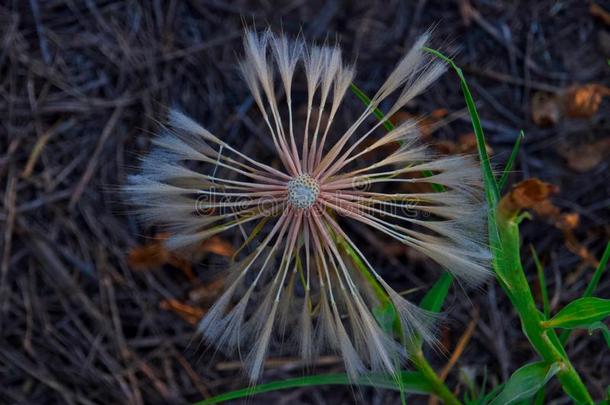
303,191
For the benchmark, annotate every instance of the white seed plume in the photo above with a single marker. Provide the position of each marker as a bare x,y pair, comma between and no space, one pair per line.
295,277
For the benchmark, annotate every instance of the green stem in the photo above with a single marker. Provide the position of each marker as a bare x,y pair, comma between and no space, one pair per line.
546,343
418,359
437,385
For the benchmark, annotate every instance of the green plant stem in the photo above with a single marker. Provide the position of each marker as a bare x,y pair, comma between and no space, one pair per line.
507,262
418,360
437,385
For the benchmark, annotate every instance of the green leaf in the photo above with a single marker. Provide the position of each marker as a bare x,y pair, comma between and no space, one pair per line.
542,281
603,328
525,382
388,127
511,161
386,317
491,187
599,271
435,297
367,101
410,381
581,313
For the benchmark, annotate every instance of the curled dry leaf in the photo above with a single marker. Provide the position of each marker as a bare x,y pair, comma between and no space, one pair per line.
426,124
190,314
154,254
218,246
546,109
580,101
584,101
583,158
599,13
149,256
534,194
466,143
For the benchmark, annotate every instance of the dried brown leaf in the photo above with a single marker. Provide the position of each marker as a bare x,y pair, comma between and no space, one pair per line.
466,143
583,158
583,101
425,123
534,194
218,246
579,101
530,194
546,109
207,293
600,13
187,312
149,256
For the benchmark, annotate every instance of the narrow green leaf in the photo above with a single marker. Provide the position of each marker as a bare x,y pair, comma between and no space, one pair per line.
387,124
511,161
580,313
488,177
544,293
435,297
604,330
367,101
599,271
525,382
411,381
433,301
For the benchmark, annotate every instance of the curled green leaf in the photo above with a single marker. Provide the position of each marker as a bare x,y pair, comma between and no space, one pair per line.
525,382
581,313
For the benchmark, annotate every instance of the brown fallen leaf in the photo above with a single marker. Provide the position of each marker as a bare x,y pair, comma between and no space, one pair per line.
584,101
154,254
208,292
534,195
218,246
583,158
187,312
547,109
425,123
466,143
579,101
149,256
529,194
599,13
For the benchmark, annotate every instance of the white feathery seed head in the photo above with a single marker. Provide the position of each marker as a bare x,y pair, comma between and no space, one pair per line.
295,275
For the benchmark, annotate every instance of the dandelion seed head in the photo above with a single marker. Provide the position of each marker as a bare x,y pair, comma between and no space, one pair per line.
298,271
303,191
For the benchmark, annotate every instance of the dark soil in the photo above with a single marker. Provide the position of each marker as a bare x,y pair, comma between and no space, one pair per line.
82,85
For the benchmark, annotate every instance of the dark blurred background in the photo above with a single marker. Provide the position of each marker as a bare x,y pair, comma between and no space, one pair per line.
93,310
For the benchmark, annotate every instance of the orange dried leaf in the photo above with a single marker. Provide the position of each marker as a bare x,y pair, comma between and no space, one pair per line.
218,246
187,312
534,194
568,221
584,101
598,12
149,256
154,255
529,194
